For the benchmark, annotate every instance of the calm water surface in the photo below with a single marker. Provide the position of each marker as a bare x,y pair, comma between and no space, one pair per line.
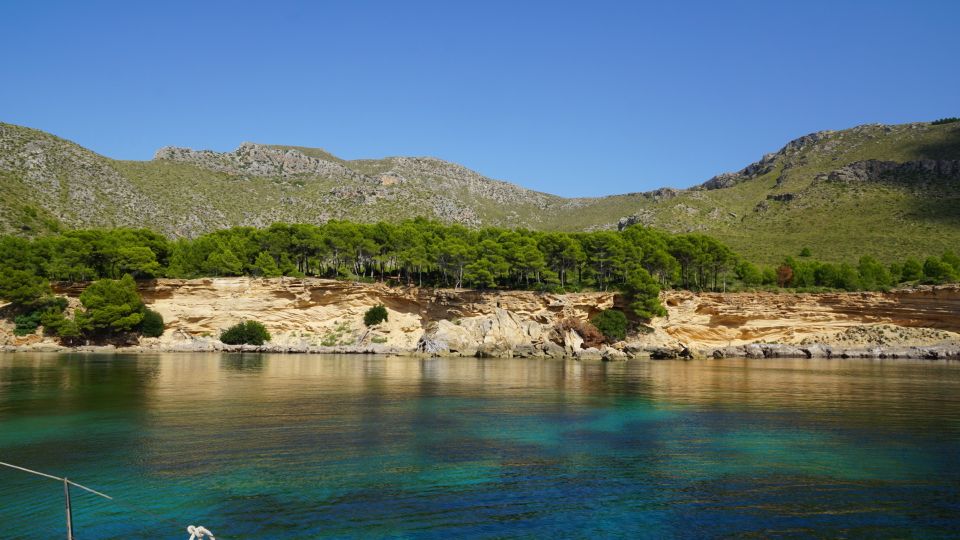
283,446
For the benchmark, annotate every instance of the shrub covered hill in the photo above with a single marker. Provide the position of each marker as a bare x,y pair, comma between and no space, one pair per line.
889,191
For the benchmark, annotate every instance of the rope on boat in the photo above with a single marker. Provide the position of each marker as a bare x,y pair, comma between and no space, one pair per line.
199,533
196,533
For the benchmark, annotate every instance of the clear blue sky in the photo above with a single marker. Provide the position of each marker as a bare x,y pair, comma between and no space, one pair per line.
586,98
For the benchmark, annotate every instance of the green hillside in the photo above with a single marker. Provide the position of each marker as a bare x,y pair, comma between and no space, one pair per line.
820,191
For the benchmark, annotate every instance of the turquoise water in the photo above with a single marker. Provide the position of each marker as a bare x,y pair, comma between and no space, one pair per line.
287,446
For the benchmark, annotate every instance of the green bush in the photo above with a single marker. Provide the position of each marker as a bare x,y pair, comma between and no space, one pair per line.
749,274
111,306
52,320
48,310
26,323
938,271
22,287
152,324
245,333
949,120
612,323
375,315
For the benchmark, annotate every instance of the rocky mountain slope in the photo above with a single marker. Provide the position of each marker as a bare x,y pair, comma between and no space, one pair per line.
888,191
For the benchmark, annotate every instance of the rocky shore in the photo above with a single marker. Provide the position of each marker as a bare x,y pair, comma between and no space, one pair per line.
324,316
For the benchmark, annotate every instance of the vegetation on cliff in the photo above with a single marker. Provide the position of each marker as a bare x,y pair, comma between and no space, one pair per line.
112,310
638,261
245,333
612,323
375,315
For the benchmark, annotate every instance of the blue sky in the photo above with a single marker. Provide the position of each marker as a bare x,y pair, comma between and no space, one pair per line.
586,98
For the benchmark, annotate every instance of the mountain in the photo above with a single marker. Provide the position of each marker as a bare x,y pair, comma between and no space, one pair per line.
885,190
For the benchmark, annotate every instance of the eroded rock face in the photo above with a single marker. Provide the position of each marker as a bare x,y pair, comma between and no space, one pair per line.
874,170
260,160
572,342
498,334
706,322
326,315
444,337
316,315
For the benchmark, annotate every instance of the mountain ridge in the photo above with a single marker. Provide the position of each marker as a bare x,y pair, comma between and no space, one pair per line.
780,202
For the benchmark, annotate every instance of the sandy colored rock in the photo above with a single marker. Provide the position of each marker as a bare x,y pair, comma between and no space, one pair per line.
317,315
705,321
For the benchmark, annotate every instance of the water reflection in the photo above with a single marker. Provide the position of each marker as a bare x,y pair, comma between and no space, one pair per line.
315,446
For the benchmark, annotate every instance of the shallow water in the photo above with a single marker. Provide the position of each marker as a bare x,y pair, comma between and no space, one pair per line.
287,446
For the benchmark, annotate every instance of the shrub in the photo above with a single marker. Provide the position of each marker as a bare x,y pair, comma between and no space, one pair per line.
591,336
52,320
949,120
111,305
68,331
152,324
375,315
938,271
912,270
49,312
749,274
612,323
55,323
26,323
245,333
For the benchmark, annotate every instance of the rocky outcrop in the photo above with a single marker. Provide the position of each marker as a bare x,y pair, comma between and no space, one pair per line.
949,350
767,163
260,160
498,334
316,315
447,176
444,177
780,324
645,218
726,180
875,170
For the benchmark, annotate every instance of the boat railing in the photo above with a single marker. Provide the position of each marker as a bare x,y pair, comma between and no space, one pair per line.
197,532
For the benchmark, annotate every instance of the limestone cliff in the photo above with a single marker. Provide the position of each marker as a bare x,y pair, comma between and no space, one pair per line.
317,315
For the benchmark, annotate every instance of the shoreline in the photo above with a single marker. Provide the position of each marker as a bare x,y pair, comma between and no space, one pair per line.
760,351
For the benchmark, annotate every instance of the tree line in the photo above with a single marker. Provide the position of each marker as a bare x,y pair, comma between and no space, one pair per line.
868,274
638,261
415,252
